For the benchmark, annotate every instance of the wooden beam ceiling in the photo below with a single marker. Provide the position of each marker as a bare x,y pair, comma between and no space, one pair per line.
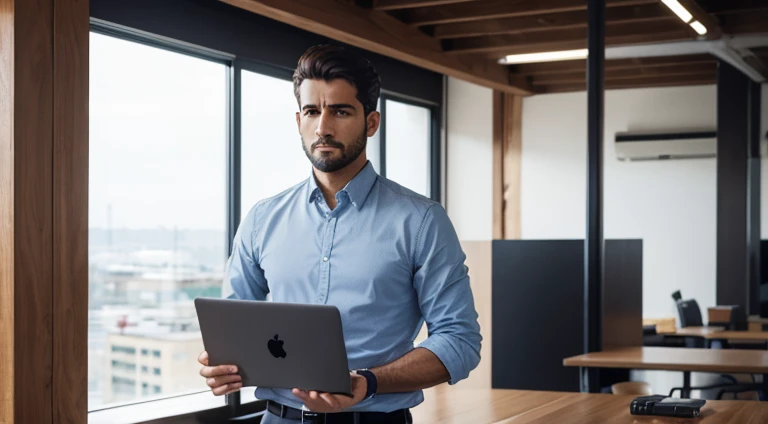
547,22
493,9
640,82
407,4
726,7
380,33
549,68
629,33
699,14
709,69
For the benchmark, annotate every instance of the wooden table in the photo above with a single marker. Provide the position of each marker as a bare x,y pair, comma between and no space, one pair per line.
719,333
677,359
453,405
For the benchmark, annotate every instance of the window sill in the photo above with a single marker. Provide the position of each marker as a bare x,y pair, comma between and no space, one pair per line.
195,407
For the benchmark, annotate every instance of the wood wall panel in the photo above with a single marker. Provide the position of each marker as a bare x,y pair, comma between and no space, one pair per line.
7,321
70,207
43,173
33,209
479,263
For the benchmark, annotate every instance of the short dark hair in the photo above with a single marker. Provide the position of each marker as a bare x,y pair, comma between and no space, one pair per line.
328,63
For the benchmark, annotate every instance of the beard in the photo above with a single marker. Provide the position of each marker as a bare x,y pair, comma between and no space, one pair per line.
325,162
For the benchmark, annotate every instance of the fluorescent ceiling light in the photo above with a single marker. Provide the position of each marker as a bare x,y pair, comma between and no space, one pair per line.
545,56
698,27
679,10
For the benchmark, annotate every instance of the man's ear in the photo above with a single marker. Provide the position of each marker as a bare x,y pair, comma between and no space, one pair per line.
372,123
298,121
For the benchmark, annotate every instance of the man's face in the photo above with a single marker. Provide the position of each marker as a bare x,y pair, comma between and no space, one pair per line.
332,123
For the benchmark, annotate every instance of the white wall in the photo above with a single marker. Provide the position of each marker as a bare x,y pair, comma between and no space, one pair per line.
469,162
670,205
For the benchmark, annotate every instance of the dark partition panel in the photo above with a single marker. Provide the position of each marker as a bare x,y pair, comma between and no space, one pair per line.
537,313
538,307
623,293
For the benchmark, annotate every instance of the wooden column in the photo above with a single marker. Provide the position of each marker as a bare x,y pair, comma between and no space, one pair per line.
507,159
43,211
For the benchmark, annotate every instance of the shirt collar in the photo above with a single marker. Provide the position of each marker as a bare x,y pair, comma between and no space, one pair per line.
357,189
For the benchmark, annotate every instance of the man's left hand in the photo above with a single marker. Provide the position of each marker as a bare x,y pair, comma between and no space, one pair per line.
329,403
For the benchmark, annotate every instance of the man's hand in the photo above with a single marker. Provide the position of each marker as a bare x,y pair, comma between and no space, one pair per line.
222,379
328,403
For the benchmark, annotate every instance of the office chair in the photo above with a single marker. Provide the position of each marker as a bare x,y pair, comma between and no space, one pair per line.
690,314
639,388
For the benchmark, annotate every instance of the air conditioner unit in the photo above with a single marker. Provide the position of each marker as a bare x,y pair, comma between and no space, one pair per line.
665,146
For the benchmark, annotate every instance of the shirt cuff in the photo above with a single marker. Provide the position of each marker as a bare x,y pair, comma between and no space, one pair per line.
445,350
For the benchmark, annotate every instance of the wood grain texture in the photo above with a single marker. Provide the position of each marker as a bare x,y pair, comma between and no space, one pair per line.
380,33
696,331
549,22
513,151
454,405
407,4
492,9
738,335
70,212
675,359
7,321
498,165
33,210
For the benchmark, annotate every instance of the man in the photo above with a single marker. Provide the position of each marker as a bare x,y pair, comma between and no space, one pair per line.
386,257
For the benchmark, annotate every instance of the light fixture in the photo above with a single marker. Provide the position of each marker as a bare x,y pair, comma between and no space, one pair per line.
544,57
698,27
679,10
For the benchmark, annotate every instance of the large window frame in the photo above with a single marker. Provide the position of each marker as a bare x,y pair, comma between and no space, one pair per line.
199,404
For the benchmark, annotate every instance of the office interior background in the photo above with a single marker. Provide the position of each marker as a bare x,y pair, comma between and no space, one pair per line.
190,121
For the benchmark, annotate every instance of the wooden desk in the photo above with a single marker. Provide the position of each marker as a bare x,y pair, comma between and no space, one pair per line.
695,331
738,335
677,359
454,405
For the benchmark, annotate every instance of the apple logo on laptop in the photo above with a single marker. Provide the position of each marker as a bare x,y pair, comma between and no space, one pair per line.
275,347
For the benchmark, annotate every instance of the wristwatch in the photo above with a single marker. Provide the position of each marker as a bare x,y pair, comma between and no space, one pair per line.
372,385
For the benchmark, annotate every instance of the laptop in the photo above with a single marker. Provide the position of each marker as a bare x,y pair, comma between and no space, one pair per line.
277,345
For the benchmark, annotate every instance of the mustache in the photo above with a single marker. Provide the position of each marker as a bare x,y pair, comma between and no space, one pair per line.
327,142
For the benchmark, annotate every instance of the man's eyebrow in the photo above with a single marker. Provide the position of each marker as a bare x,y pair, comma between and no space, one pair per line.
333,106
341,106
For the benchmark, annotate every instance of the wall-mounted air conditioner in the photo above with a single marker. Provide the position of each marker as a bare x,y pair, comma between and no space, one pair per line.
667,145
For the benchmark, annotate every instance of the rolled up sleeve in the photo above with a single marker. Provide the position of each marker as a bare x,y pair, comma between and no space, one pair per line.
441,282
244,278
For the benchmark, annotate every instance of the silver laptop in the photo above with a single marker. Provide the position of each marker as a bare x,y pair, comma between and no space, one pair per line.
277,345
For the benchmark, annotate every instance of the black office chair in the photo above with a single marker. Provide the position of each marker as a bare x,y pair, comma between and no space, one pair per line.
690,313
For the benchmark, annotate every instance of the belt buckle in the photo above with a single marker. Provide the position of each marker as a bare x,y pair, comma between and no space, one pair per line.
313,417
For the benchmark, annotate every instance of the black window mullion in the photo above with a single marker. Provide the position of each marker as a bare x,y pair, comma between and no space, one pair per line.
383,138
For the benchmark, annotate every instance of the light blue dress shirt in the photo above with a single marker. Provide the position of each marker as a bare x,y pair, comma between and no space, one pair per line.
386,257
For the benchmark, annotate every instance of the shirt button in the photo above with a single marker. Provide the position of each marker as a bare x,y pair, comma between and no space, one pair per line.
325,259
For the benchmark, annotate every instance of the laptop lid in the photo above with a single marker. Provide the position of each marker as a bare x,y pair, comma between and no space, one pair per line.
276,345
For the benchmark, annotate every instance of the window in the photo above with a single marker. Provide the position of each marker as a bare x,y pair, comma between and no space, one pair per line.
157,212
272,159
124,349
145,369
408,139
121,365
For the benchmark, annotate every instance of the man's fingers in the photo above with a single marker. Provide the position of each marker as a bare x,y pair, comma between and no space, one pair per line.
203,358
214,382
216,371
313,395
330,400
227,388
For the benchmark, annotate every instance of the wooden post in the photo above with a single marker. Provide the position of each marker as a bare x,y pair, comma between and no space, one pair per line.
507,161
43,210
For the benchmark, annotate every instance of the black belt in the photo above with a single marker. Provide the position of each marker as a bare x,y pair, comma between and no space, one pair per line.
401,416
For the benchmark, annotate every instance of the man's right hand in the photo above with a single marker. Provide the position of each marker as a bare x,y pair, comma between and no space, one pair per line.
222,379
